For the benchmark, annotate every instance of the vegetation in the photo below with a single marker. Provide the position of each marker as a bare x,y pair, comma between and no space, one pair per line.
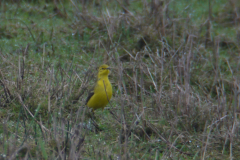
175,79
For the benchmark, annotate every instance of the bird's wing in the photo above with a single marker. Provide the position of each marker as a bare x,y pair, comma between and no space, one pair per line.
96,88
90,94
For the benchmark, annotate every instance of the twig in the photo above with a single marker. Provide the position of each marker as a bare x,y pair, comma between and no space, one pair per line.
25,108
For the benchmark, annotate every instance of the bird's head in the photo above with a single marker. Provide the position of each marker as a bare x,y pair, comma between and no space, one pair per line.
103,70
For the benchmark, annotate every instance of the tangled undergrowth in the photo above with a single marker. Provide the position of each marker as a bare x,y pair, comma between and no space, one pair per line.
175,76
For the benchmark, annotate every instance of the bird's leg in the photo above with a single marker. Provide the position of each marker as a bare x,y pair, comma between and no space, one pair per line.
92,116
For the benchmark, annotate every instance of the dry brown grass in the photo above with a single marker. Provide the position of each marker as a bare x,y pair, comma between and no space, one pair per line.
176,84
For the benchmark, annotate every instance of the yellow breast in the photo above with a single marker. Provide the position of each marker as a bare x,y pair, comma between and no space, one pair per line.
102,94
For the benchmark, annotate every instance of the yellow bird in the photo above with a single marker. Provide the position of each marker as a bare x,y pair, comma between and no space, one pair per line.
102,92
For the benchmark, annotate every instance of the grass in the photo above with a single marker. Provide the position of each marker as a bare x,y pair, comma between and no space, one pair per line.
175,79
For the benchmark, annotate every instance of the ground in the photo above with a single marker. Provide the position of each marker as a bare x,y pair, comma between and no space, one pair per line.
174,71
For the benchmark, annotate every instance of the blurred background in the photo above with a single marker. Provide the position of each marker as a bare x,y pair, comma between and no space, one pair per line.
175,75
